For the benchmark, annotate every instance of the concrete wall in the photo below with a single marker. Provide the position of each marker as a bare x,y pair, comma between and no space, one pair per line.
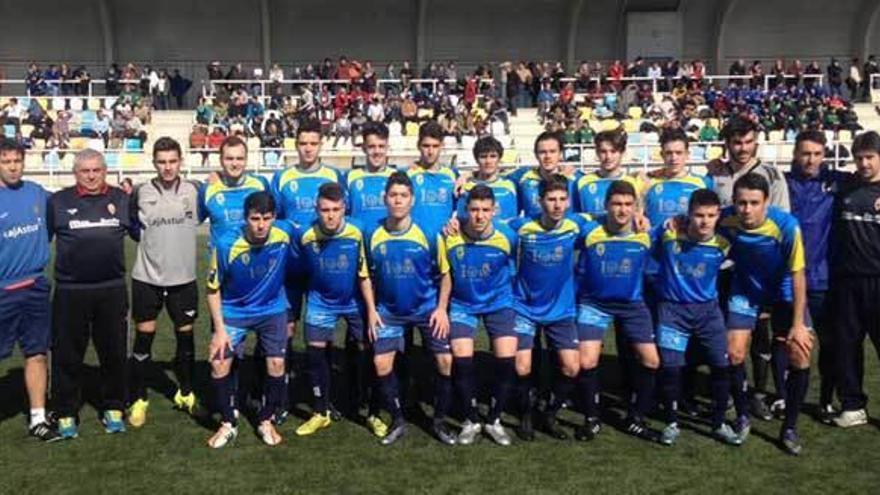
56,30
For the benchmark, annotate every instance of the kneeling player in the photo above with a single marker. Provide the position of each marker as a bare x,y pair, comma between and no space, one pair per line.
481,258
246,294
769,256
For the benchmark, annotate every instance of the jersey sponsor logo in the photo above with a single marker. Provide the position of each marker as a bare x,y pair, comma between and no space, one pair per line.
111,208
170,221
20,230
88,224
72,211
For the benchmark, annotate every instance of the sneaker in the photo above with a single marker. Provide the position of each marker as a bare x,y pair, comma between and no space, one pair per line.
186,402
497,433
777,408
268,433
67,428
469,432
742,426
827,413
280,416
588,431
43,431
113,421
377,426
314,424
670,434
398,429
525,430
335,415
638,428
791,442
137,413
225,435
848,419
444,433
759,408
552,428
725,434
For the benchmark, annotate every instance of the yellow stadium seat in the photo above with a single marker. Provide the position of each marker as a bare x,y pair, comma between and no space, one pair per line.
635,113
655,154
131,160
714,152
44,102
426,113
26,129
94,104
510,157
412,129
610,124
844,135
290,143
777,136
79,143
631,125
585,113
253,143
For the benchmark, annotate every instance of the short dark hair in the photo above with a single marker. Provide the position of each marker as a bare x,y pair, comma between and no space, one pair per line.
231,142
331,191
399,179
811,135
375,129
549,136
620,187
556,182
310,125
9,145
738,127
703,197
488,144
752,182
867,141
166,143
673,135
616,138
481,192
261,202
430,129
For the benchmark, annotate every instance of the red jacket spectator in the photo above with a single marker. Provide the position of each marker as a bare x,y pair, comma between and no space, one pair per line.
340,103
567,95
470,91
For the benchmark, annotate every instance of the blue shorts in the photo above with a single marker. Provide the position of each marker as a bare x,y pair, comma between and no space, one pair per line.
25,318
271,334
679,324
390,336
320,325
463,325
561,334
743,312
631,319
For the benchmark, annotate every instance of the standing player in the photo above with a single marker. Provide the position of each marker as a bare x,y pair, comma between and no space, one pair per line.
669,188
548,152
488,152
544,292
481,258
433,183
769,256
412,285
246,294
610,267
24,289
592,188
165,210
90,221
366,187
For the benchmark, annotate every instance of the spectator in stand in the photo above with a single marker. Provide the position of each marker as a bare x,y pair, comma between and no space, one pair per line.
854,81
179,86
102,127
36,85
376,111
111,78
757,73
615,74
162,100
835,78
778,73
342,129
198,139
738,68
52,76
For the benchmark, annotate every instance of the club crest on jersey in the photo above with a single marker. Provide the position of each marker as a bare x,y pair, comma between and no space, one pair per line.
419,180
658,188
111,208
246,259
221,198
383,250
72,211
359,184
600,249
592,188
293,186
459,252
676,247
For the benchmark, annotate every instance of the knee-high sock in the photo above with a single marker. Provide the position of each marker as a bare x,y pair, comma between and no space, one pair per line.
505,376
525,394
273,392
644,396
258,360
442,396
141,361
720,378
357,375
796,389
670,388
463,378
779,361
562,387
224,397
761,352
185,360
388,388
319,375
739,387
590,390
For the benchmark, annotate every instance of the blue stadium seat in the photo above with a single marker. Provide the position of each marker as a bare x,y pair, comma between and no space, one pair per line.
87,121
698,153
9,131
52,160
133,144
271,159
112,159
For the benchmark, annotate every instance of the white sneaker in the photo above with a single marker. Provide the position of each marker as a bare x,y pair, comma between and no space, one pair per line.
469,432
847,419
226,434
268,433
497,433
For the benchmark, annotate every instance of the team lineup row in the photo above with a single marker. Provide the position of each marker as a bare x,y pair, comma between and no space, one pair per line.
385,251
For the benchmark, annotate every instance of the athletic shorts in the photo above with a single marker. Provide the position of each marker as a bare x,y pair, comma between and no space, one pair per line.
181,301
682,324
561,335
25,318
271,334
463,325
320,325
391,335
743,312
631,319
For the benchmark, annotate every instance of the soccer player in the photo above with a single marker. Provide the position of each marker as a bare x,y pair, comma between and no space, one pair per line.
548,152
246,294
669,188
24,289
433,183
165,210
769,271
544,300
366,187
482,262
330,254
488,152
610,276
89,221
688,312
855,287
592,188
412,283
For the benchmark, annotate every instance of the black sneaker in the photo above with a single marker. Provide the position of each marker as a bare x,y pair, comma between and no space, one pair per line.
826,414
638,428
444,433
525,430
588,431
395,433
551,427
44,432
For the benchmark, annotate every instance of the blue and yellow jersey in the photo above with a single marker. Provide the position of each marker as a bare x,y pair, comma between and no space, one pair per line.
405,268
665,198
688,268
506,205
366,194
223,204
528,183
544,286
434,197
482,270
766,256
592,189
611,266
296,192
250,278
332,264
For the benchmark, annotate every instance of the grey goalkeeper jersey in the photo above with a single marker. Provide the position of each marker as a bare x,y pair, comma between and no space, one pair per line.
724,177
168,221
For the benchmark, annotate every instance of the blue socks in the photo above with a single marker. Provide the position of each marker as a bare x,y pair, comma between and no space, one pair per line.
463,376
505,377
319,373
